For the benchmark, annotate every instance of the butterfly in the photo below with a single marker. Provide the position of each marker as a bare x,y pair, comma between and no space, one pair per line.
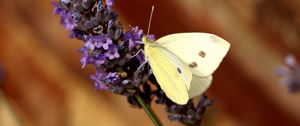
183,63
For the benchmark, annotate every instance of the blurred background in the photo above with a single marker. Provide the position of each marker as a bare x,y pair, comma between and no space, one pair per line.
44,85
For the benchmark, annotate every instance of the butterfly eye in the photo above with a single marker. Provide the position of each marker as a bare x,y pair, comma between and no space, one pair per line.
193,65
202,54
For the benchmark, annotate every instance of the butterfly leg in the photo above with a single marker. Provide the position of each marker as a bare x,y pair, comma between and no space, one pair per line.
142,65
141,50
146,60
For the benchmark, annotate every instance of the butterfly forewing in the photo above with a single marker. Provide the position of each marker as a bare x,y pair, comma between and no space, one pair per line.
173,76
203,52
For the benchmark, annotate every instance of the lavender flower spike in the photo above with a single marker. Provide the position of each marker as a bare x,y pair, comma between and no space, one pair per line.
100,41
112,52
109,4
290,74
105,44
66,18
134,37
98,83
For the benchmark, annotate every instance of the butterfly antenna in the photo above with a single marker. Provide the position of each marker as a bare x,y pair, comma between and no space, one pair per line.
149,25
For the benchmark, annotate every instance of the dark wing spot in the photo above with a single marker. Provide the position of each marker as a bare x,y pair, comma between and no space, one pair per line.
179,71
193,65
202,54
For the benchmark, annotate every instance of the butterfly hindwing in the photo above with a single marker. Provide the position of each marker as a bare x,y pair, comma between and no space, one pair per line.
199,85
202,52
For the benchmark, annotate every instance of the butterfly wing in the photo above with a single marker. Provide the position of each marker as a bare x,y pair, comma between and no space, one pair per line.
199,85
203,52
173,76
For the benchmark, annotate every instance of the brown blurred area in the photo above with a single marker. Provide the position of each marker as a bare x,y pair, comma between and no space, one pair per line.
44,83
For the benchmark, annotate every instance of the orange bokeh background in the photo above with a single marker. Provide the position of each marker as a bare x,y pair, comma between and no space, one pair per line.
44,83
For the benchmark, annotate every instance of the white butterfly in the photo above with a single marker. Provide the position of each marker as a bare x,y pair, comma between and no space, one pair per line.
183,63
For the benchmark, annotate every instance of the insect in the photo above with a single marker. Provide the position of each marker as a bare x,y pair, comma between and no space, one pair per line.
183,63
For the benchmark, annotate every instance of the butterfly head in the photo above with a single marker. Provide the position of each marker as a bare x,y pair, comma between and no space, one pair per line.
147,39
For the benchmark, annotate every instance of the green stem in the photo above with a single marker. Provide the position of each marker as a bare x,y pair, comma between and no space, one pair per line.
149,111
